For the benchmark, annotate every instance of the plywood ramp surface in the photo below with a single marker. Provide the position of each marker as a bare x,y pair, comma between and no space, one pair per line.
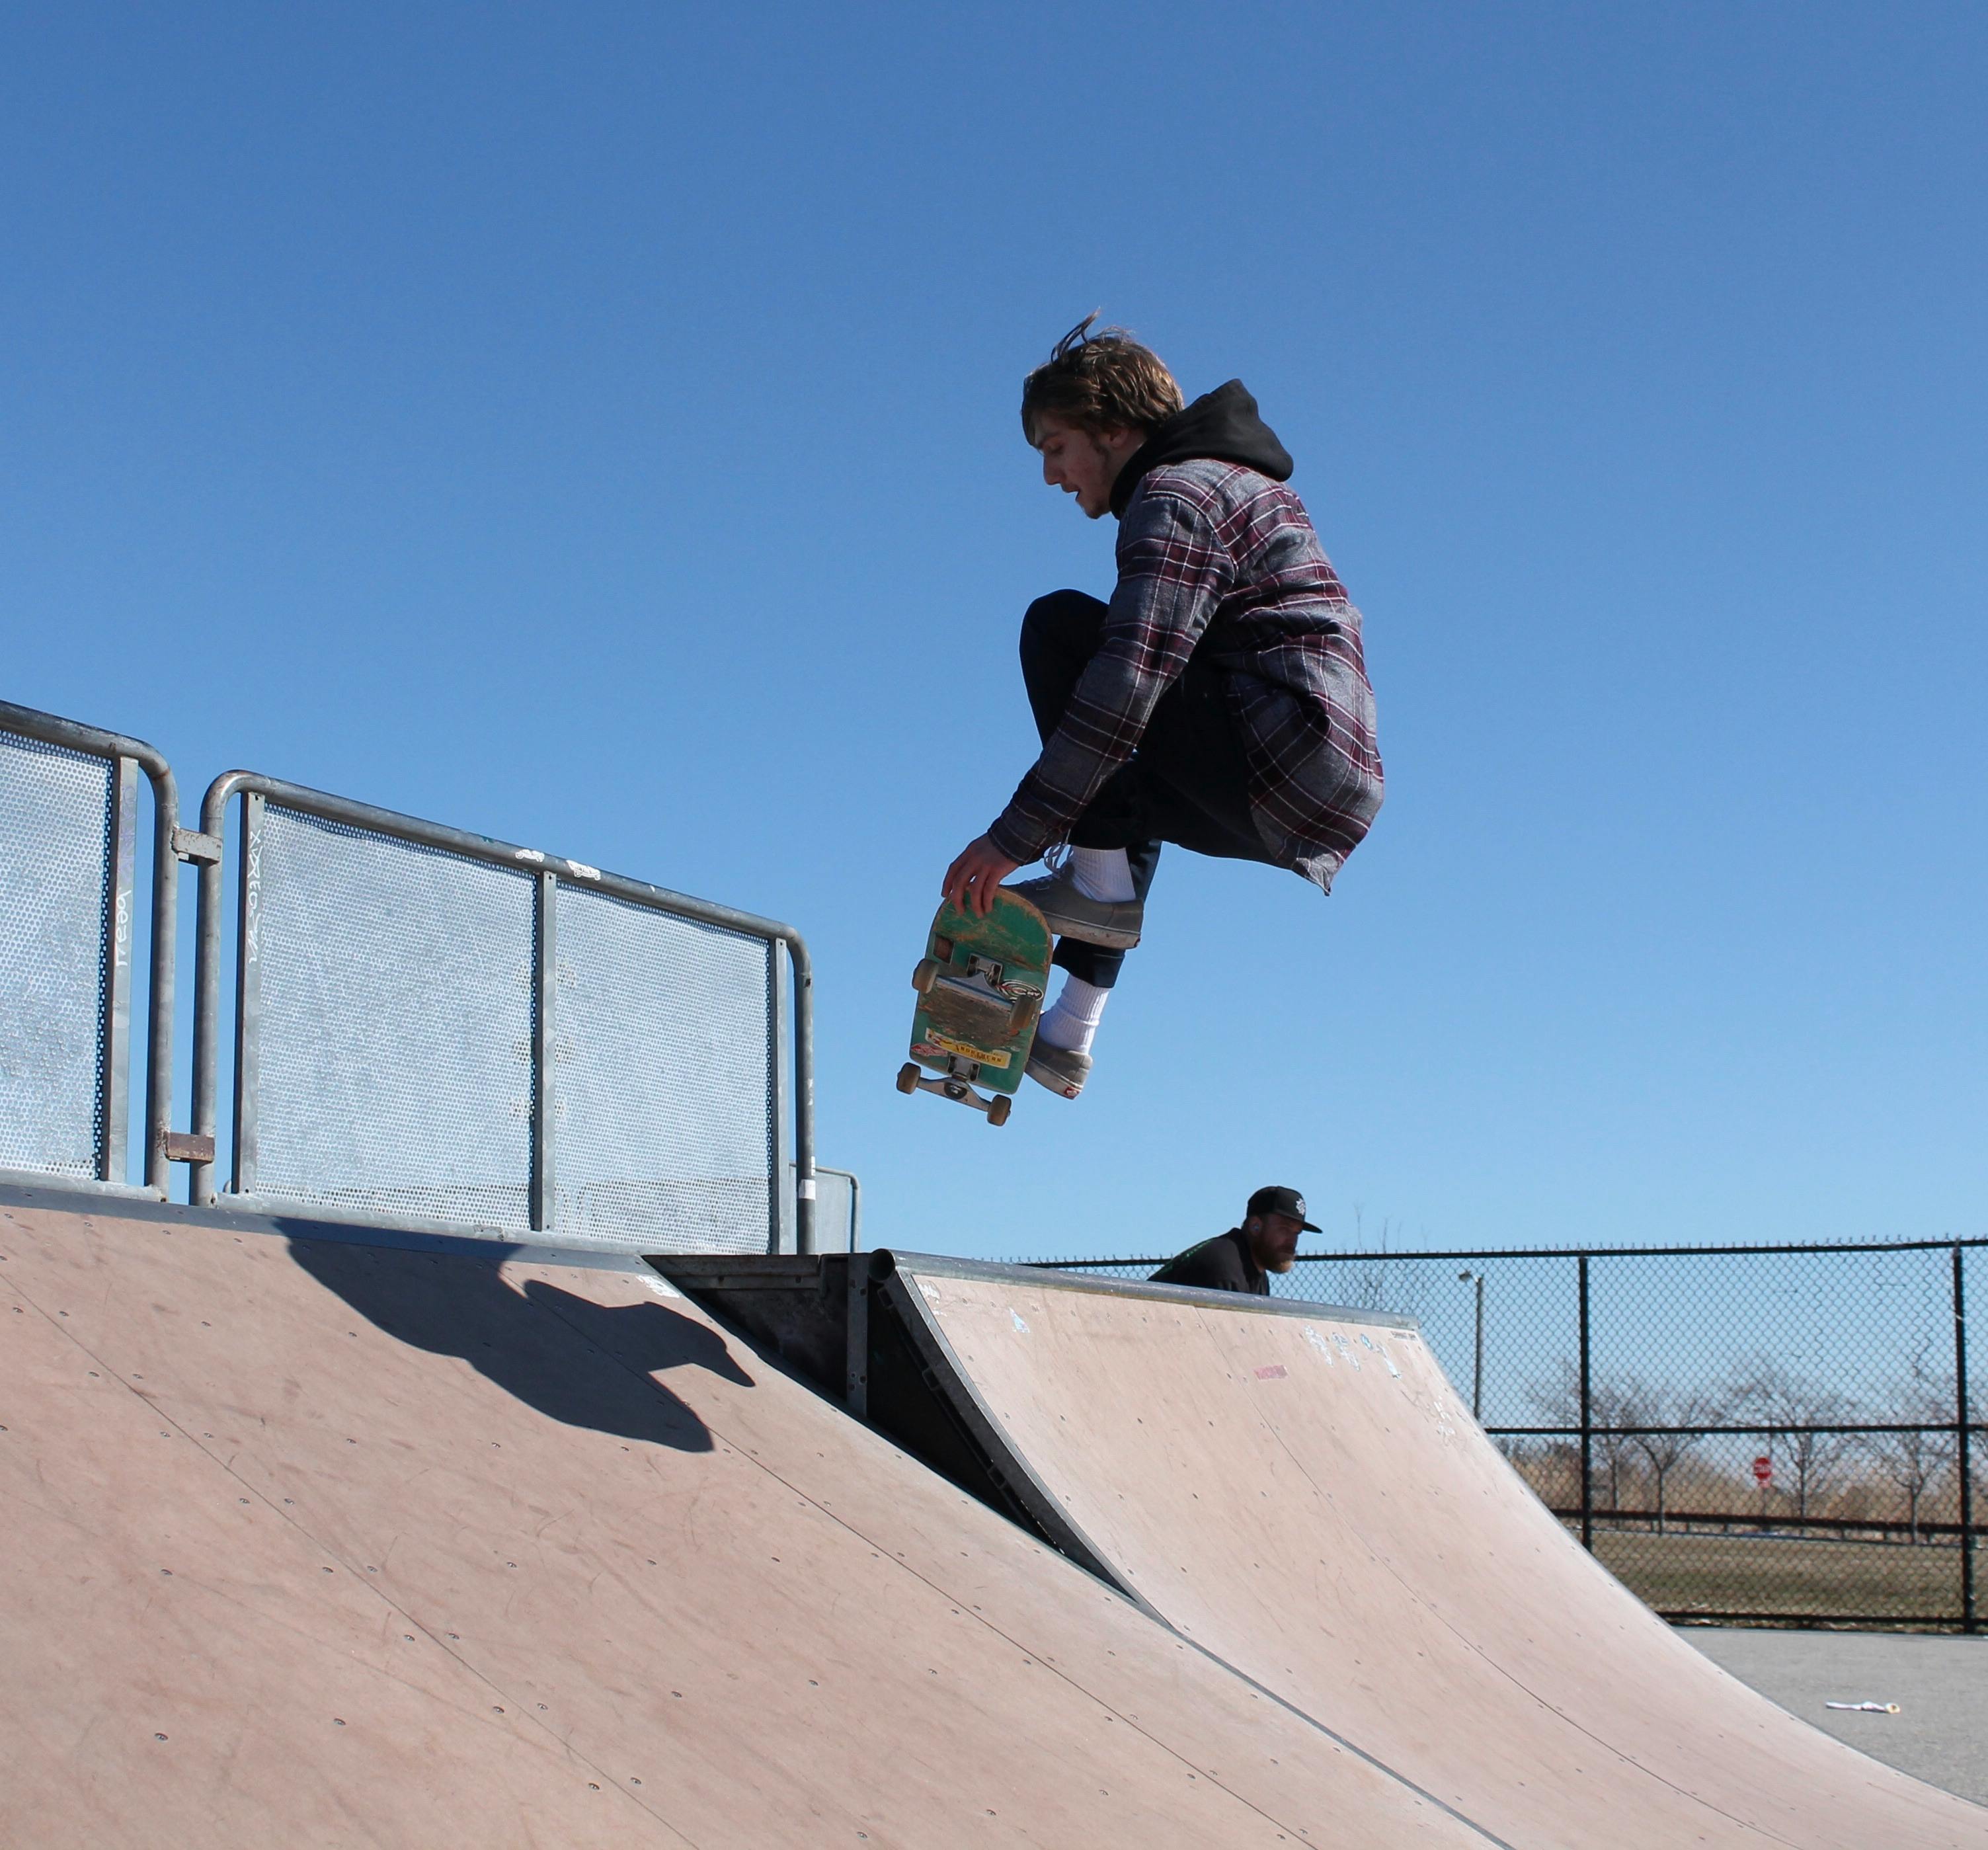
1307,1499
315,1542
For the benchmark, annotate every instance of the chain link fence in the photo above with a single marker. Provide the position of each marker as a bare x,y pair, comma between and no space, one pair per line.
1785,1435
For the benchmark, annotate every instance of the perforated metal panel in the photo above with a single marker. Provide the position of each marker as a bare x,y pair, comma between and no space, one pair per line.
55,862
390,993
663,1080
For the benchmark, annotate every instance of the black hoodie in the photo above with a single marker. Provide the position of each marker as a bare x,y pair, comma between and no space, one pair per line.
1220,426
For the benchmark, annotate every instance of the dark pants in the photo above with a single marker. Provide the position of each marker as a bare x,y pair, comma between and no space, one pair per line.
1189,782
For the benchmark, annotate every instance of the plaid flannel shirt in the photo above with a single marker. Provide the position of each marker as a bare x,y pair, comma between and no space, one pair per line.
1218,558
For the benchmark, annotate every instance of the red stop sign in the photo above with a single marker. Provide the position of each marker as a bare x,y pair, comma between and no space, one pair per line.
1764,1472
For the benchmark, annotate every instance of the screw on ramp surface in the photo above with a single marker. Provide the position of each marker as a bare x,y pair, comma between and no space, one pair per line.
311,1541
1305,1498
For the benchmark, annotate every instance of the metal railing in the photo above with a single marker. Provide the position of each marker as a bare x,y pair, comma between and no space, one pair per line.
838,1210
492,973
1788,1433
624,1065
68,879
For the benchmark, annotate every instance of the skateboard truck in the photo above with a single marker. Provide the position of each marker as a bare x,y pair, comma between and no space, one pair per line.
956,1083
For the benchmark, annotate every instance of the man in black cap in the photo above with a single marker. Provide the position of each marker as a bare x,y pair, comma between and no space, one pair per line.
1243,1259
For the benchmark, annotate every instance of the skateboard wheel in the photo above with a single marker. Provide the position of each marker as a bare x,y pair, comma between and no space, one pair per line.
1022,1017
908,1076
998,1109
924,975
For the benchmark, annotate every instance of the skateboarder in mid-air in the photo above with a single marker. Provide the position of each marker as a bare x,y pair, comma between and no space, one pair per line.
1219,701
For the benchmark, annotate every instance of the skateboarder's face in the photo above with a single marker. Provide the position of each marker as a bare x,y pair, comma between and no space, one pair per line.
1084,463
1273,1240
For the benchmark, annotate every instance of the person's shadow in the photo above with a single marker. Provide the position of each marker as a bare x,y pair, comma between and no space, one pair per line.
585,1363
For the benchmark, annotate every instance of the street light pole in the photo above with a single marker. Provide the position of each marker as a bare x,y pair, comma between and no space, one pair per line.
1477,1368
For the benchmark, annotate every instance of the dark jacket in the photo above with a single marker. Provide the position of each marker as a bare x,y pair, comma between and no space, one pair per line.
1217,559
1220,426
1224,1263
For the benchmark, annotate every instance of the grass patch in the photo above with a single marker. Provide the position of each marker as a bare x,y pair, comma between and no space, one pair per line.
1783,1577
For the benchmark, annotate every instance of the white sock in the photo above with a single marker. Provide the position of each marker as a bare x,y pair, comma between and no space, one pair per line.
1071,1021
1101,874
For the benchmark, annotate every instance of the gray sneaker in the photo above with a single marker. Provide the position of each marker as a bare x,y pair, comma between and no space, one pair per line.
1111,924
1058,1068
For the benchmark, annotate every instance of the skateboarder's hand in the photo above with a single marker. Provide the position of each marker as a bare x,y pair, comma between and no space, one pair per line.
979,868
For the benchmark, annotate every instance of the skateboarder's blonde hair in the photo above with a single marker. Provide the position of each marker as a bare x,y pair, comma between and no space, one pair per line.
1101,381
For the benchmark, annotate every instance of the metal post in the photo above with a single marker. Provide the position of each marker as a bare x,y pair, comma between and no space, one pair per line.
1587,1422
206,1002
1477,1366
783,1203
803,1095
114,1082
1477,1370
159,1007
545,1017
249,998
1961,1451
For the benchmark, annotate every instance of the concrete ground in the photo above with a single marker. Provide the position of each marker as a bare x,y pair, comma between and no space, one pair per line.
1940,1733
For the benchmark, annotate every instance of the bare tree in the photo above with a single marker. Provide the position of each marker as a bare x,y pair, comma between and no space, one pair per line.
1610,1407
1385,1281
1663,1412
1914,1460
1789,1407
1634,1421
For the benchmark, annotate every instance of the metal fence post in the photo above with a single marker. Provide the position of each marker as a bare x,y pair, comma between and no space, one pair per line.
803,979
1587,1419
545,1020
248,995
1962,1454
113,1107
159,1007
783,1210
1477,1365
210,894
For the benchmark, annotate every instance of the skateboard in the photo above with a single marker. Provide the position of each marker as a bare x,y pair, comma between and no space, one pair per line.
980,989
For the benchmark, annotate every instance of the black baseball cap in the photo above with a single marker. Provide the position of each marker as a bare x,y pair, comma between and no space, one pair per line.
1281,1201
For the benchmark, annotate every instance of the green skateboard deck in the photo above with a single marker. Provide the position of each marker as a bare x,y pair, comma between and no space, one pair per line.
980,989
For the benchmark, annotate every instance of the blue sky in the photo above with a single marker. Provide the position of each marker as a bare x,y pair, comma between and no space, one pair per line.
596,426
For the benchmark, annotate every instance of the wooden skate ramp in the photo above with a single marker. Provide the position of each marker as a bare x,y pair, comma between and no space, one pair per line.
316,1539
1299,1491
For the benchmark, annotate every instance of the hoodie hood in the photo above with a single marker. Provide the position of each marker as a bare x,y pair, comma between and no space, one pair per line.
1220,426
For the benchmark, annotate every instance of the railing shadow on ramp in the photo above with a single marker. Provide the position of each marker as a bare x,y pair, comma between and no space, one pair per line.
525,1340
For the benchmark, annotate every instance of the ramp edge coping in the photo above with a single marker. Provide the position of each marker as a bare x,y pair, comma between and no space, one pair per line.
885,1259
492,1246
